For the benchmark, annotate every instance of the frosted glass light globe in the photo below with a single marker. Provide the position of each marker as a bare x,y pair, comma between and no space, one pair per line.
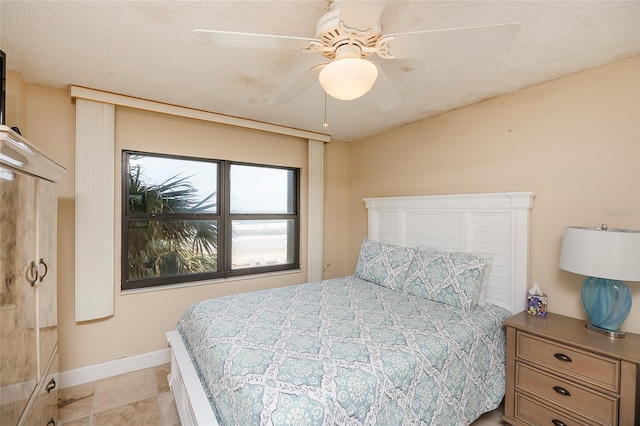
348,78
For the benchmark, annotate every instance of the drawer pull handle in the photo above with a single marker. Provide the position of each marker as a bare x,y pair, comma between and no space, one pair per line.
557,422
51,422
50,386
561,390
562,357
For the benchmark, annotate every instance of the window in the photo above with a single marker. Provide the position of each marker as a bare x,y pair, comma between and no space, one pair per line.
188,219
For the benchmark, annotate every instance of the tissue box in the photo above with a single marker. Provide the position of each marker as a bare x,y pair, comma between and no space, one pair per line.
537,305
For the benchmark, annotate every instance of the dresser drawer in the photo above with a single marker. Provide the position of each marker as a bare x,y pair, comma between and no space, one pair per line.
581,365
532,412
585,402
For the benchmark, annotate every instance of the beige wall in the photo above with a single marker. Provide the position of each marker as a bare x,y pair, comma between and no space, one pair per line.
575,142
141,318
16,101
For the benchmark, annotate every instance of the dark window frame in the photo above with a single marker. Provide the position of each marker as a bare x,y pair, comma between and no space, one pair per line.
224,218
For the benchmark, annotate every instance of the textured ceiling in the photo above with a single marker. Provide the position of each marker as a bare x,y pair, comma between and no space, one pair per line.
145,49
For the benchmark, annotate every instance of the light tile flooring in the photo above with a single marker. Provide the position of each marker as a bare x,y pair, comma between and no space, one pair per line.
142,398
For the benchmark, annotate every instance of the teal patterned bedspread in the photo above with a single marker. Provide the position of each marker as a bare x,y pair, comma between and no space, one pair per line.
347,352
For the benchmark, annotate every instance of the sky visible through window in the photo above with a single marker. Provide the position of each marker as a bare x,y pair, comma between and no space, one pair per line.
259,190
155,170
253,189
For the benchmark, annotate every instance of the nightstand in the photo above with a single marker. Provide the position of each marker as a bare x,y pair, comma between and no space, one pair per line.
559,373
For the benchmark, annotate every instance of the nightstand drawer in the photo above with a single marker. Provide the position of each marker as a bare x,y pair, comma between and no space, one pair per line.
532,412
599,408
581,365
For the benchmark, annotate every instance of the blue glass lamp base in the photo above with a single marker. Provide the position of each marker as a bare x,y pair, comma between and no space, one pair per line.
607,303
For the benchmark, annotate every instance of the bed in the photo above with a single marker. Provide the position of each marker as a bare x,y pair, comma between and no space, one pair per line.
413,337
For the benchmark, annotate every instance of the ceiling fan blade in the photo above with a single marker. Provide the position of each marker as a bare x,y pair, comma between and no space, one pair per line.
384,95
361,14
254,41
472,41
299,85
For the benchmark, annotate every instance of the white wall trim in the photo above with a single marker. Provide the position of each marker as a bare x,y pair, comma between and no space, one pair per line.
315,216
143,104
114,368
95,198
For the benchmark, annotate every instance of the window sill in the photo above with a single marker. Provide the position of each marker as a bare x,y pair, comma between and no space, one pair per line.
209,282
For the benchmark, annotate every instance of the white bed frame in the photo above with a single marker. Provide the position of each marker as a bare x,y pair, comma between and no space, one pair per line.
497,224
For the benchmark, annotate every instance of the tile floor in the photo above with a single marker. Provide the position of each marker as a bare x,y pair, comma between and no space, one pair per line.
142,398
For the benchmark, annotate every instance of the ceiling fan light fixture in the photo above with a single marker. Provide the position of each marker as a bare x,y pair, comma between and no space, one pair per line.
348,78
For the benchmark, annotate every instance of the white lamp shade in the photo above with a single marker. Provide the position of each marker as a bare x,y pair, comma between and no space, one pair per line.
348,78
611,254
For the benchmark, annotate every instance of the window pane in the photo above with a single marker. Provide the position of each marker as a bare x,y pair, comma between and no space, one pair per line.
171,185
261,190
261,243
172,247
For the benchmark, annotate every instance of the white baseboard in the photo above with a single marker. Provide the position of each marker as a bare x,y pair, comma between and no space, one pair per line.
114,368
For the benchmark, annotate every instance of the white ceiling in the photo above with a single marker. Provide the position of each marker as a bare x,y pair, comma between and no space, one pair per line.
145,49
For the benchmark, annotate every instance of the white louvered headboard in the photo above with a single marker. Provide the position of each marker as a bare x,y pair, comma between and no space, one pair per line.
497,224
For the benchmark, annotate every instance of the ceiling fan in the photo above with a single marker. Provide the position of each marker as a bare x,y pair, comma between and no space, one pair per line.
350,32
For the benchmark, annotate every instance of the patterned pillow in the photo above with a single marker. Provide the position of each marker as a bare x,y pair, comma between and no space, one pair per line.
486,274
453,278
384,264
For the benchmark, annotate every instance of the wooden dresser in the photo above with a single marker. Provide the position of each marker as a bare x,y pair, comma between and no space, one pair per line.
560,374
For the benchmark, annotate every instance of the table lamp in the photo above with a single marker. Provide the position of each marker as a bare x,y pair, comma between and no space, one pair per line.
606,257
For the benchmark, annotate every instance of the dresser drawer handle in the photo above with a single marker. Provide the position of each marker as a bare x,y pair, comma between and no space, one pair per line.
557,422
561,390
562,357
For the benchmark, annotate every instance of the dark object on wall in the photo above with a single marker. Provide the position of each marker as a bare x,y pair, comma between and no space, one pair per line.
3,72
15,129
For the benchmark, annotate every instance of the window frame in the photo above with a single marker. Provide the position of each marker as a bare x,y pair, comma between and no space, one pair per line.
224,218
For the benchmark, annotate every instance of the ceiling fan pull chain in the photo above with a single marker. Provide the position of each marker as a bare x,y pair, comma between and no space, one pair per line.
325,124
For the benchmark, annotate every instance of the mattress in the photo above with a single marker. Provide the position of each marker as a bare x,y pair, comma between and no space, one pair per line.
345,351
